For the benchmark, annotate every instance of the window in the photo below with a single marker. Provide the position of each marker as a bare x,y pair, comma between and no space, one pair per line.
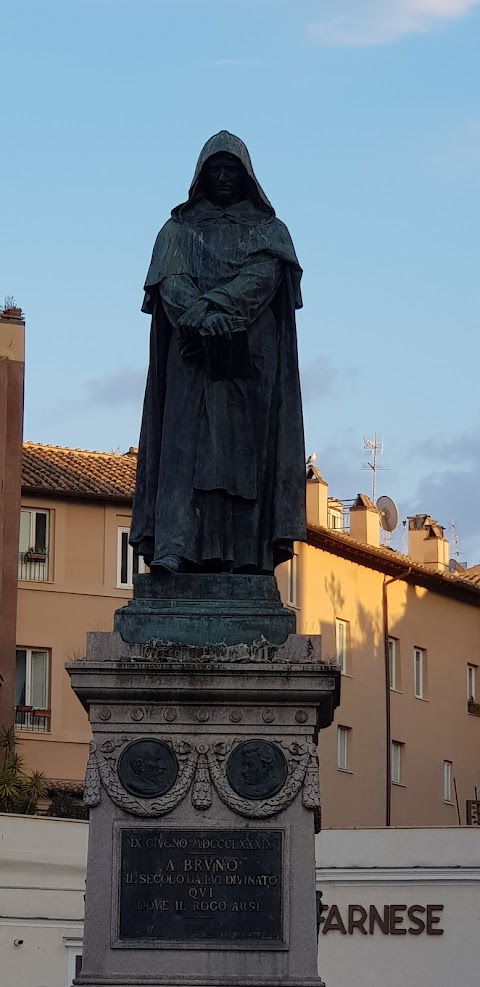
471,683
292,576
334,514
33,545
341,643
128,562
420,671
447,781
397,758
74,946
393,663
342,748
31,690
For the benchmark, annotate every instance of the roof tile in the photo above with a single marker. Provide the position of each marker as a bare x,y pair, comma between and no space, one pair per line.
78,472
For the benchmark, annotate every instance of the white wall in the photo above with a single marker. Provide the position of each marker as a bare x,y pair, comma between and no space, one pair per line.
403,867
42,884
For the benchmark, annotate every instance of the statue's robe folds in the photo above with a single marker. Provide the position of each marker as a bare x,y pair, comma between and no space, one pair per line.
221,464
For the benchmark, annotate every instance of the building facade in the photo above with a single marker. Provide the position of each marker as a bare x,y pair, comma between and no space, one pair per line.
12,362
404,749
75,568
405,746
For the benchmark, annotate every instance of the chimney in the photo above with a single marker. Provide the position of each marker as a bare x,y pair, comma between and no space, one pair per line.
12,356
365,521
426,542
316,499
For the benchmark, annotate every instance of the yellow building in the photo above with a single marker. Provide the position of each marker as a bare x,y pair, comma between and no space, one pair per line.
405,630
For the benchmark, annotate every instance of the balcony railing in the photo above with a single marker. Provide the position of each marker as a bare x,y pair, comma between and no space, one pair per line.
34,720
33,565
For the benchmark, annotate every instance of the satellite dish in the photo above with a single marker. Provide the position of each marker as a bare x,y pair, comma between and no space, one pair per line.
388,513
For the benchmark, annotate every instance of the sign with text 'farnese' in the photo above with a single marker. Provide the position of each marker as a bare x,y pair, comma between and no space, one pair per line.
208,885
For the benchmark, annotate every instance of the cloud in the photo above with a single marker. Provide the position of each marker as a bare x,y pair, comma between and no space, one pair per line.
449,492
362,23
122,387
233,63
317,379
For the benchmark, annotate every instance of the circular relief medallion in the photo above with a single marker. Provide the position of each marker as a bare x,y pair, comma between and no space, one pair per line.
147,768
256,769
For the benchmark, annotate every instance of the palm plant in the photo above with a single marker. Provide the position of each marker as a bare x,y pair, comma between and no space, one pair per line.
19,791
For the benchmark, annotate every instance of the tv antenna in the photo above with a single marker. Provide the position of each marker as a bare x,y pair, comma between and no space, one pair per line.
374,447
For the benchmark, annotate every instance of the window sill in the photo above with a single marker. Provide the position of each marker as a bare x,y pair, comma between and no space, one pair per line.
33,734
345,771
398,784
399,692
36,582
423,699
449,802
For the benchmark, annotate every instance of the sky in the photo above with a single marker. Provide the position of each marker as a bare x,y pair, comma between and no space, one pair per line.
362,118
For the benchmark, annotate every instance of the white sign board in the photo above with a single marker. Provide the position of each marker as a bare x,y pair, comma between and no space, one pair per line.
399,908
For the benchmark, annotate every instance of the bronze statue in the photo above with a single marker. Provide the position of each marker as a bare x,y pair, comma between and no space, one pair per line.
221,466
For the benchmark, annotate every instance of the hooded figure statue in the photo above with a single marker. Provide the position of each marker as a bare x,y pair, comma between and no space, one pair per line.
221,467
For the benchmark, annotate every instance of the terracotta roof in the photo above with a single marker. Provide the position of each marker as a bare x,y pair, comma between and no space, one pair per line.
472,574
78,472
394,564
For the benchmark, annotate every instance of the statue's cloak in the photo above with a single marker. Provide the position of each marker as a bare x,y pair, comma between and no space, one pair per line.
213,253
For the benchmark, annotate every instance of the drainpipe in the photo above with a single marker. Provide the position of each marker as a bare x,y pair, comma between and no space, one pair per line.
388,723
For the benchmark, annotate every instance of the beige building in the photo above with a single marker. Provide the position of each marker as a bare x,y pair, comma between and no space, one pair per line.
405,746
75,568
12,360
405,630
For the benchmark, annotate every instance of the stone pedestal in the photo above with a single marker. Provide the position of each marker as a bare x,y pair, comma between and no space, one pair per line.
203,787
197,609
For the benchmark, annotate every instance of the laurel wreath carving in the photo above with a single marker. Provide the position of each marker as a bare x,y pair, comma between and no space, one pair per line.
91,794
297,756
200,766
202,788
106,757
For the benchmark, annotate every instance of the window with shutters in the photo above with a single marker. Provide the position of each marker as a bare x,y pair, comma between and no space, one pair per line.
32,686
128,562
33,554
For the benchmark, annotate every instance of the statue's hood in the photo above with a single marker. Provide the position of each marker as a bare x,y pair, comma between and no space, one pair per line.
227,143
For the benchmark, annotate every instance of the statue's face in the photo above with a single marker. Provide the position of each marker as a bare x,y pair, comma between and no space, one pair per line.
224,179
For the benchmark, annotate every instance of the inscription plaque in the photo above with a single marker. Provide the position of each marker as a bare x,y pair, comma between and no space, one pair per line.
206,885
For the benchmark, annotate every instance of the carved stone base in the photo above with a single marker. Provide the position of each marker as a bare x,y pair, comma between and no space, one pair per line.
205,608
203,790
196,982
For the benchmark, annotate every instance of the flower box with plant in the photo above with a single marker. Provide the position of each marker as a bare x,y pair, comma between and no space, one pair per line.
34,554
473,707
